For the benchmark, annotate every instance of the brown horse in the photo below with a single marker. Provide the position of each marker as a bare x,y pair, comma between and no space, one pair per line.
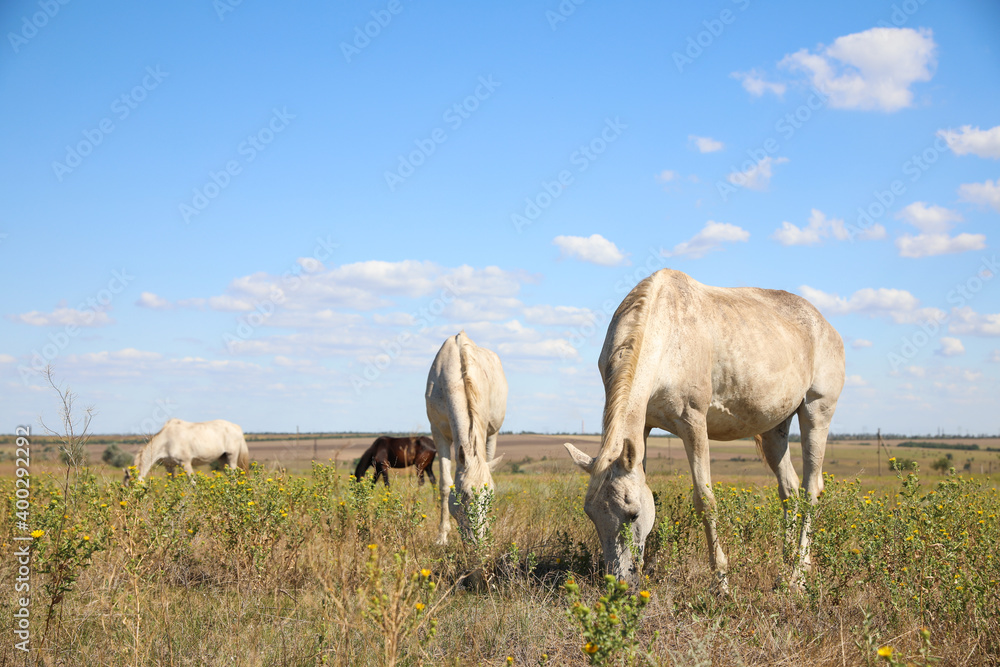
388,452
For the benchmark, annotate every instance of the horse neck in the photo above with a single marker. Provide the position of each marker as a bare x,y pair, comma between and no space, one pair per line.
147,457
625,417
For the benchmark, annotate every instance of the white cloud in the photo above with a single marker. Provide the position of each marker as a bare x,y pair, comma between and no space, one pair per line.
553,348
986,194
666,176
362,286
968,139
964,320
150,300
489,308
61,317
710,238
995,356
916,371
870,70
860,343
754,83
788,234
594,249
705,144
7,359
934,222
898,305
758,176
929,219
559,315
929,245
821,227
950,347
855,381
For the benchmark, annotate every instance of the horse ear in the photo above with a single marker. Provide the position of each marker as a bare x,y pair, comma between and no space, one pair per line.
495,462
629,456
583,460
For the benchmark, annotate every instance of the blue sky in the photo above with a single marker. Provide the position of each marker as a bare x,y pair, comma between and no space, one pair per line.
275,214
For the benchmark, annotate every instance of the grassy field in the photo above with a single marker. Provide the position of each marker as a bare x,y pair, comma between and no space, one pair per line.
293,564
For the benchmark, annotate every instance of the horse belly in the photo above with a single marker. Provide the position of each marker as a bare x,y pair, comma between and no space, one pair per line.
744,420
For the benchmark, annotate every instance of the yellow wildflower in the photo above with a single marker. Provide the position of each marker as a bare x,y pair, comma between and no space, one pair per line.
37,533
590,648
425,573
885,652
123,503
420,606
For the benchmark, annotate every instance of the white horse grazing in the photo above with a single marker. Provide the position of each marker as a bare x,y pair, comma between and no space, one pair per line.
466,403
707,362
181,443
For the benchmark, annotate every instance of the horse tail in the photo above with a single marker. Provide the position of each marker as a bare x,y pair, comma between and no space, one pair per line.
758,440
365,462
473,398
243,460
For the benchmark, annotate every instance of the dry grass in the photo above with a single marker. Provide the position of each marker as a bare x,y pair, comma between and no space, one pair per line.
271,569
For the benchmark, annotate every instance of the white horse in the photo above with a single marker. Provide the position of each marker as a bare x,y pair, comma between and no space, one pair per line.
181,443
466,403
707,362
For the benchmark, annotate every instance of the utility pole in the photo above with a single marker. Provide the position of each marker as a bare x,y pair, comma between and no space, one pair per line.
878,448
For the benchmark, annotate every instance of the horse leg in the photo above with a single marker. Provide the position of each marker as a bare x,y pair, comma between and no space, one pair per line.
382,468
443,446
774,448
429,468
815,415
189,470
491,447
695,437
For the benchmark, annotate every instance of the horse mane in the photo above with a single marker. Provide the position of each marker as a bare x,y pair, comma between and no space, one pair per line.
620,376
365,461
473,397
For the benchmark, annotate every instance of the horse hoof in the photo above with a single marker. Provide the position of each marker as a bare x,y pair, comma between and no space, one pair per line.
441,540
721,585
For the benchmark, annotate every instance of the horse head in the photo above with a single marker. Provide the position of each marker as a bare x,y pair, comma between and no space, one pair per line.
620,504
471,498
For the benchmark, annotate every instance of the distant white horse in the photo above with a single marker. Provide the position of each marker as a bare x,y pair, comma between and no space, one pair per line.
466,403
707,362
181,443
